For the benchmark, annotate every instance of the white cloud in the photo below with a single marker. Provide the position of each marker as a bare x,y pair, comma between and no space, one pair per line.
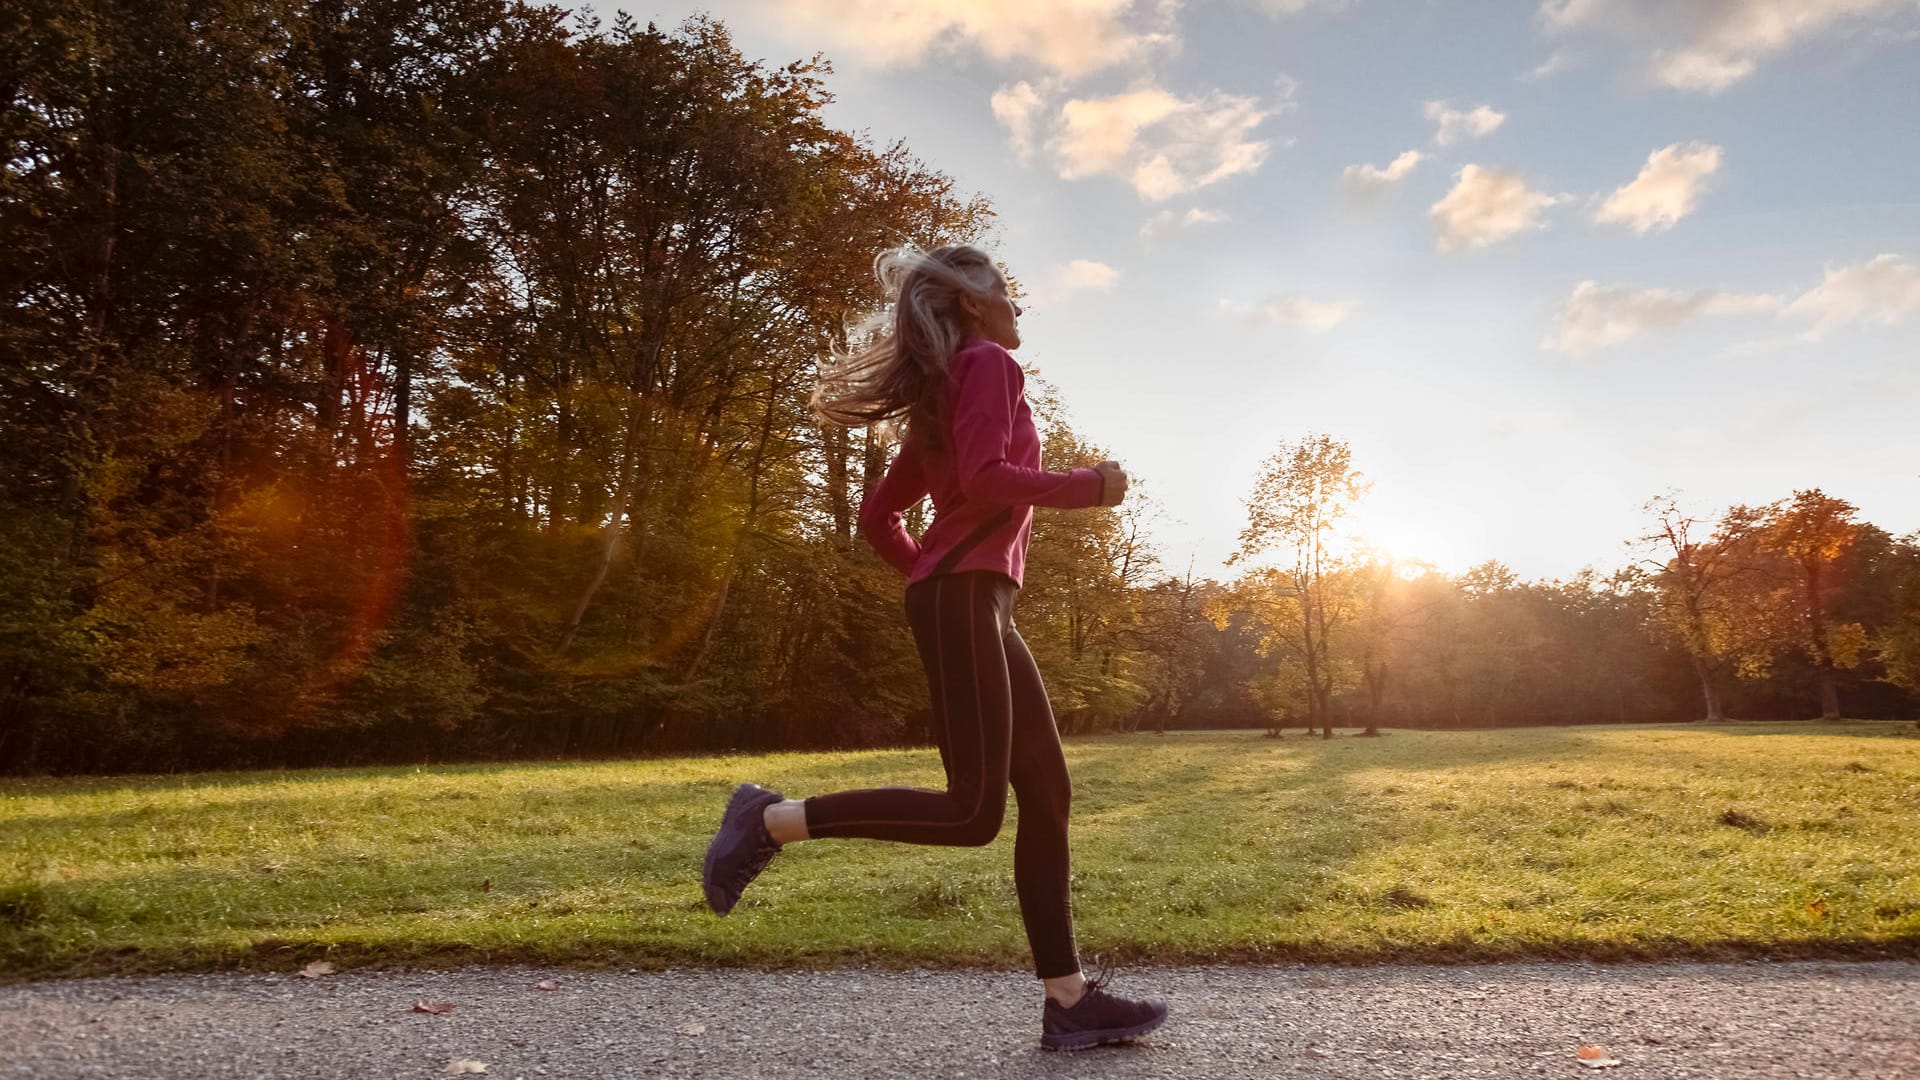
1068,38
1167,220
1086,274
1016,108
1596,316
1485,207
1455,125
1365,179
1885,289
1162,144
1157,179
1693,69
1710,45
1560,61
1667,189
1295,7
1314,316
1286,95
1098,134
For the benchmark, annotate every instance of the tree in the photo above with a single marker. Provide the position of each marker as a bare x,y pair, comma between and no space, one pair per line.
1389,611
1084,572
1898,642
1813,531
1302,492
1693,576
256,245
1172,633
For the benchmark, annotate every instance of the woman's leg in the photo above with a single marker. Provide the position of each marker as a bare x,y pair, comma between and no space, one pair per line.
1040,858
959,622
1077,1013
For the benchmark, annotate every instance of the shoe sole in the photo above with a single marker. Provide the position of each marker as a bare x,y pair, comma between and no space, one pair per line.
716,896
1087,1040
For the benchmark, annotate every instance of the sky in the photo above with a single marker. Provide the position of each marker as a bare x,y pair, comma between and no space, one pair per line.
1536,263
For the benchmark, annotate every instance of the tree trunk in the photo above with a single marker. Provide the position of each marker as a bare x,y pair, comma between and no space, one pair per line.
1309,654
336,347
1714,715
756,469
837,493
509,477
873,464
226,421
1829,694
1822,658
610,536
558,485
713,622
1376,677
403,406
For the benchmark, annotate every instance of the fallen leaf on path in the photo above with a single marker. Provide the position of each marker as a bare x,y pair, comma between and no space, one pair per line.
692,1029
461,1066
437,1008
1595,1057
316,969
546,984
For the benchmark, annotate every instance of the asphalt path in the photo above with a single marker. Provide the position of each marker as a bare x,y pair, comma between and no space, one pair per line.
1805,1020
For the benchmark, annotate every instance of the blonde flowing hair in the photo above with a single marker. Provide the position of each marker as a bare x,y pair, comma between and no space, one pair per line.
895,366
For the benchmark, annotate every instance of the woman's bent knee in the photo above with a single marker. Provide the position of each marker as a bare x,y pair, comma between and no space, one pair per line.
979,828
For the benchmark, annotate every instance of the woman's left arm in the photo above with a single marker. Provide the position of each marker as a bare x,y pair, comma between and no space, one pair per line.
881,509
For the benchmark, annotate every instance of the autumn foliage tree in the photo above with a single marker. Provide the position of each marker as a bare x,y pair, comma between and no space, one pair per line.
1812,533
420,379
1697,578
1303,491
1897,643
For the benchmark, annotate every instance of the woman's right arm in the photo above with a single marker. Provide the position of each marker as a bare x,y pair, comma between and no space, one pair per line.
882,507
990,387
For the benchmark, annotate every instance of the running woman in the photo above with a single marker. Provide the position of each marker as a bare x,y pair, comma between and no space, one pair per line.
938,358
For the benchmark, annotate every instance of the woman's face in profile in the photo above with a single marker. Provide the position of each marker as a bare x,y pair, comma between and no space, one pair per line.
996,316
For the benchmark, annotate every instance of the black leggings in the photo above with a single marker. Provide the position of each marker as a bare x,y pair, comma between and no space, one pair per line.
994,725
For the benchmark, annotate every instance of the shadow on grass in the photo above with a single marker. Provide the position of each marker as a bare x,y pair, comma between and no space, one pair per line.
549,786
308,801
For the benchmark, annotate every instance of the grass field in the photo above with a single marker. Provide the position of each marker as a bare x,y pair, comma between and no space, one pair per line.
1604,842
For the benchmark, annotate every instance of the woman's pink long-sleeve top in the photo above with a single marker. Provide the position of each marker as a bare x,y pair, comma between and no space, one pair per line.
990,461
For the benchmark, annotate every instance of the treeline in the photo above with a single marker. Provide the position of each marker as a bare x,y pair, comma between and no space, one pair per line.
1784,611
409,379
428,380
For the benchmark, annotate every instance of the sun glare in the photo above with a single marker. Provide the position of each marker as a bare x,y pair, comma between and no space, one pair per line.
1414,543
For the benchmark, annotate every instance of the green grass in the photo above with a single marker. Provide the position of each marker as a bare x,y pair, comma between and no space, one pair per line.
1609,842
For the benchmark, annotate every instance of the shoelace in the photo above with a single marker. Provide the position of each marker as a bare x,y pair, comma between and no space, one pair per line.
1101,976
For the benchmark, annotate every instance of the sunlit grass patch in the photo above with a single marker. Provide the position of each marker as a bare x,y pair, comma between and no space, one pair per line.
1604,842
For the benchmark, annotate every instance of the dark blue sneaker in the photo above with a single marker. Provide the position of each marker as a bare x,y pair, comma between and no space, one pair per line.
741,849
1098,1017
